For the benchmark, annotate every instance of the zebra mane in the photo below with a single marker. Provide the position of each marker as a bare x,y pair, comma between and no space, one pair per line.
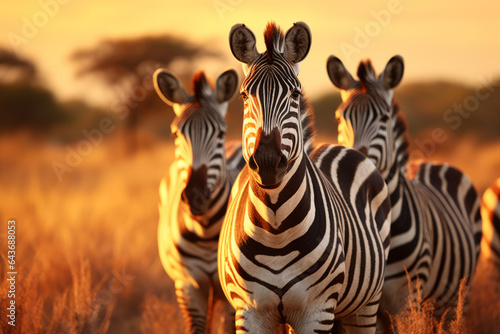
401,135
366,72
307,121
201,86
274,39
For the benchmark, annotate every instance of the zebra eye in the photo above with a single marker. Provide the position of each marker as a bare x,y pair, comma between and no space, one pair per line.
384,118
295,93
244,95
174,135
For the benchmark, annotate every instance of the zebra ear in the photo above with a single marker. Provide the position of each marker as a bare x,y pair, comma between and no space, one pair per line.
393,73
297,42
169,87
338,74
226,85
242,42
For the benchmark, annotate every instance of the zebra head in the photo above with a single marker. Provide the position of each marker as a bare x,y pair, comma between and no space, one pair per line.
199,130
366,115
271,91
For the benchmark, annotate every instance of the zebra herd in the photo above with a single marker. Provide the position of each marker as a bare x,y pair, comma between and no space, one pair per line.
279,231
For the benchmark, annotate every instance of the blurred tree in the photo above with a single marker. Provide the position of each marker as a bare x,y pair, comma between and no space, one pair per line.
24,103
28,107
127,65
14,68
324,114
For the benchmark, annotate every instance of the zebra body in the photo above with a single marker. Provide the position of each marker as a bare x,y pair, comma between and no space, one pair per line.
193,198
490,212
436,226
306,233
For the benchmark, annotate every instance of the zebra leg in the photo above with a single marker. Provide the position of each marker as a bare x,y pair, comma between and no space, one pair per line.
222,313
361,322
393,300
193,302
253,322
313,320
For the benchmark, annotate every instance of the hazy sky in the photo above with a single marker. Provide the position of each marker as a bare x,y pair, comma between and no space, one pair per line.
456,40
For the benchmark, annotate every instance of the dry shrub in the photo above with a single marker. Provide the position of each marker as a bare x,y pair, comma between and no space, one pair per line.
417,317
102,218
160,317
77,239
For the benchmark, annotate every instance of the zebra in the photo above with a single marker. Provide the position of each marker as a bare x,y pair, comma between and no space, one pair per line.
490,213
193,205
307,230
436,223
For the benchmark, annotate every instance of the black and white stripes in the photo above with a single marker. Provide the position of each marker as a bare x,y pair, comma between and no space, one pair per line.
436,225
307,230
194,196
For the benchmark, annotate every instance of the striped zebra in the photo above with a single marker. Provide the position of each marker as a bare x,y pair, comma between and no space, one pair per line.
436,223
305,239
490,212
193,205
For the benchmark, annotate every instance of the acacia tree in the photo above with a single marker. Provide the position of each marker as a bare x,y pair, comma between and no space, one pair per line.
25,104
127,65
15,68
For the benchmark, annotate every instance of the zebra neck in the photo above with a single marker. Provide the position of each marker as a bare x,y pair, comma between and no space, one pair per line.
279,209
395,185
401,136
396,177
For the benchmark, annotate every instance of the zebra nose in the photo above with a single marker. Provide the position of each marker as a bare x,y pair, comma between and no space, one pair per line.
196,193
268,163
268,160
364,150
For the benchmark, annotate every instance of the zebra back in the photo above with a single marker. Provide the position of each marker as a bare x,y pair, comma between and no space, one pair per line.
451,214
436,226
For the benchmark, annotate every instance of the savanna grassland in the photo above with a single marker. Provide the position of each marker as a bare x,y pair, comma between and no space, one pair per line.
87,258
86,254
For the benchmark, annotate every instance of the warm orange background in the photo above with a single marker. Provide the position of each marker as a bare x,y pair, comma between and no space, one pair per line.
78,232
439,39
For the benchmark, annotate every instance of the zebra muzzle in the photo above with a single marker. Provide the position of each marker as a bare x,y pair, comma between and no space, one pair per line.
196,193
268,164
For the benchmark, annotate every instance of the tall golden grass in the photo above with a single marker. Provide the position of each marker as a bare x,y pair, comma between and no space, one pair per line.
418,314
477,312
87,258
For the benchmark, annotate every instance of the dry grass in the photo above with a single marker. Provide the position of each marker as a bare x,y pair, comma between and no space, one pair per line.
477,312
159,315
86,247
418,315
